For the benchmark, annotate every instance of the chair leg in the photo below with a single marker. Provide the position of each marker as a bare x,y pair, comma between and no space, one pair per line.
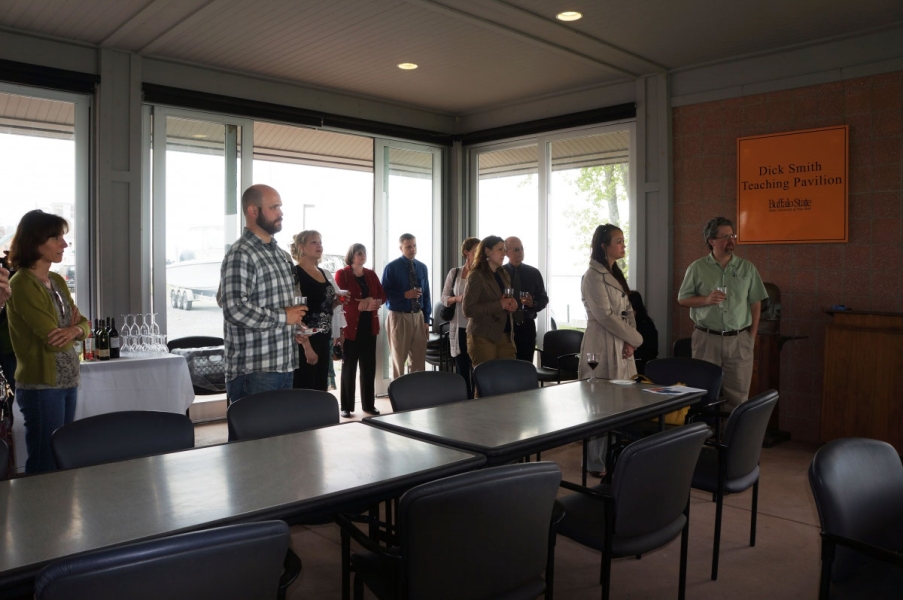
583,465
358,587
346,565
291,568
755,510
719,505
684,543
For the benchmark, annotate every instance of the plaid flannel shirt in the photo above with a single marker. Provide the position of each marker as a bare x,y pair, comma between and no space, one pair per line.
257,283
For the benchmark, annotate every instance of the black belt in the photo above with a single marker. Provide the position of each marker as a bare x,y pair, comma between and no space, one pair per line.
409,312
722,333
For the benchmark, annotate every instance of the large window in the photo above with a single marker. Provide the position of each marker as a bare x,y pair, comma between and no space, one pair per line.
551,192
44,153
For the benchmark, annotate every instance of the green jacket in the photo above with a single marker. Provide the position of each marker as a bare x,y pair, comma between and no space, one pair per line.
32,317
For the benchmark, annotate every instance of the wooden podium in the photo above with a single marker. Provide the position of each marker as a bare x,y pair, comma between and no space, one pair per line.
863,384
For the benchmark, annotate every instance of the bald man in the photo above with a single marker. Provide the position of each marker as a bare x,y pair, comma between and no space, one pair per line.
528,280
257,289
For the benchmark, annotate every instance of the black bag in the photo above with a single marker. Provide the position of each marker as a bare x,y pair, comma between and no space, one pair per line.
448,312
6,419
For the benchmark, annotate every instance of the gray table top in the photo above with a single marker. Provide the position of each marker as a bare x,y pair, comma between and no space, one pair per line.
330,469
510,426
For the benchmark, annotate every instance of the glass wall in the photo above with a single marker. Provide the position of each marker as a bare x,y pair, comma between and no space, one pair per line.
552,191
43,150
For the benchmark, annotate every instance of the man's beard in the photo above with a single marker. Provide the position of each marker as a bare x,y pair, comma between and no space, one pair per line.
271,227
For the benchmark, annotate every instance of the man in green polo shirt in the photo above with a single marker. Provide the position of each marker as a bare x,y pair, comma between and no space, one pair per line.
724,294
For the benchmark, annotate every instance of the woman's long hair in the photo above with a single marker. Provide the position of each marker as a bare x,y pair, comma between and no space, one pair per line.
480,262
601,238
35,228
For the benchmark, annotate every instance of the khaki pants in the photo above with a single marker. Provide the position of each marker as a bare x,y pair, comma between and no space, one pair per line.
734,354
482,349
407,339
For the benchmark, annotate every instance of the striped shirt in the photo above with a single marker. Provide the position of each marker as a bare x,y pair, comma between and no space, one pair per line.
257,283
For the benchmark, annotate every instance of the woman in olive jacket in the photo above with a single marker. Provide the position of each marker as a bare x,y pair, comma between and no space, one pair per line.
43,326
489,325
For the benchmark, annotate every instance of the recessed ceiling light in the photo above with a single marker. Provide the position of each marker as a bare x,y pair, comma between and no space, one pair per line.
407,66
569,15
199,136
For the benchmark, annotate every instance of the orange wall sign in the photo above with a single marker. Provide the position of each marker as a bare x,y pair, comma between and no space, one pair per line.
792,187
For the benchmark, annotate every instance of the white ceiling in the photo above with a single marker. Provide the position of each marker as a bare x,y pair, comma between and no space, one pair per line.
474,55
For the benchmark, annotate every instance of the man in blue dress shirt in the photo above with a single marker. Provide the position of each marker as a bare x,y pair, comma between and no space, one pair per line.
407,287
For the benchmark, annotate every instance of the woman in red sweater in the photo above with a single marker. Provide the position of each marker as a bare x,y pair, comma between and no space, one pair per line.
362,316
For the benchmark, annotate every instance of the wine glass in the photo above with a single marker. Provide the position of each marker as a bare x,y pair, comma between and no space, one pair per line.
593,362
723,305
135,340
523,300
144,332
509,293
125,336
299,301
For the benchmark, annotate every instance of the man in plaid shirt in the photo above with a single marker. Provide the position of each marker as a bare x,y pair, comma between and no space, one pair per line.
257,285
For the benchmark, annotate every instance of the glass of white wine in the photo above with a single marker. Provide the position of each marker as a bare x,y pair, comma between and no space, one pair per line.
723,305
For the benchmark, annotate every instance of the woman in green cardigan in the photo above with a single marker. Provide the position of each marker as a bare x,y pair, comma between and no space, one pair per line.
43,326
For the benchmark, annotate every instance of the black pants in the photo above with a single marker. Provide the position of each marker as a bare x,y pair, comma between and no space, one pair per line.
525,340
362,349
463,362
314,377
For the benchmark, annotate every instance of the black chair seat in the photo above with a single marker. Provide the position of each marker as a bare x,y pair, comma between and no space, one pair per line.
426,389
243,562
706,476
123,435
504,376
584,523
546,374
279,412
858,488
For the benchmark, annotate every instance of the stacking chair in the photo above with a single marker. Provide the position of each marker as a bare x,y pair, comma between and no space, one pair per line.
4,459
858,489
504,376
123,435
201,341
438,348
243,562
645,507
560,355
732,465
483,534
278,412
426,389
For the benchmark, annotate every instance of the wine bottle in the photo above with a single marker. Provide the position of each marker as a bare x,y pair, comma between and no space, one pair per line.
114,337
103,341
88,347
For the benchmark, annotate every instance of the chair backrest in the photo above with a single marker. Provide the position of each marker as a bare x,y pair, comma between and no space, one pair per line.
558,343
4,459
480,534
238,561
651,483
858,489
745,432
194,341
123,435
425,389
504,376
689,371
683,348
278,412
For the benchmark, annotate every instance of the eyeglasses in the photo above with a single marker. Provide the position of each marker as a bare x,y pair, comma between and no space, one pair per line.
732,236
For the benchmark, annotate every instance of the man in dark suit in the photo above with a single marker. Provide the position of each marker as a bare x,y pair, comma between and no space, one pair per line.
530,291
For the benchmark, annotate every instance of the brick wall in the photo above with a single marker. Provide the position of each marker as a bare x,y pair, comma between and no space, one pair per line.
864,274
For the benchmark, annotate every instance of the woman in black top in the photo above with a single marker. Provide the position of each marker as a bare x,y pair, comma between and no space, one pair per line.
316,284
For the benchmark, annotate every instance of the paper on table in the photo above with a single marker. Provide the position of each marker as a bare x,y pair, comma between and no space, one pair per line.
673,390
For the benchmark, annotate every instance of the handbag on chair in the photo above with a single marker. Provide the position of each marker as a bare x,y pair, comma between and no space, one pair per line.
6,418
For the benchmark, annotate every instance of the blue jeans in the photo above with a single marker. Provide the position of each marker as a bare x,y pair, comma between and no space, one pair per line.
45,411
252,383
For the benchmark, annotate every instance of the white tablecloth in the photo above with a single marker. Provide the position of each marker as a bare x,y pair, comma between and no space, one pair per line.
152,383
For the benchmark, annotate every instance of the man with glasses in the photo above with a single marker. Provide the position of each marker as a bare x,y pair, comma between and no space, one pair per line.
724,294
